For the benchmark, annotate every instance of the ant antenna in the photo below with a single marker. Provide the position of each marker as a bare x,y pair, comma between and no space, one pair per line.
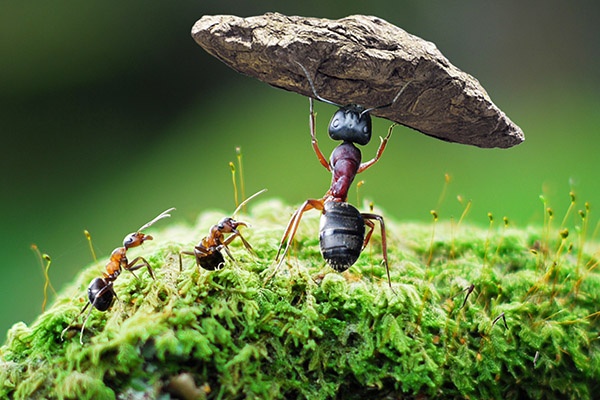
312,86
368,110
164,214
243,203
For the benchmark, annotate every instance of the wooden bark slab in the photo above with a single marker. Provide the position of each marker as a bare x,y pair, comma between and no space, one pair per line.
361,60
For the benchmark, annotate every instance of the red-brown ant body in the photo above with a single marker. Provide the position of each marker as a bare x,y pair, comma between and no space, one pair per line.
208,252
100,291
342,229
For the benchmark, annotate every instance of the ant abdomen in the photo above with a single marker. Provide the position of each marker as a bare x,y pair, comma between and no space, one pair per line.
100,295
212,261
341,234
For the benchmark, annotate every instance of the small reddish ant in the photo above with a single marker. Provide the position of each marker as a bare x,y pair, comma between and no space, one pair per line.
342,232
100,291
208,252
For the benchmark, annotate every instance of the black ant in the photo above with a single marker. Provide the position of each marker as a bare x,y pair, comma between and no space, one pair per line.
100,291
342,229
208,251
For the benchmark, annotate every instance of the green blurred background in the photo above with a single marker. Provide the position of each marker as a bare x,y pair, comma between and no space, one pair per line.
111,113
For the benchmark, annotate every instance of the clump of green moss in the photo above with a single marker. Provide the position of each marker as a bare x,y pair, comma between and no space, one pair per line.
474,313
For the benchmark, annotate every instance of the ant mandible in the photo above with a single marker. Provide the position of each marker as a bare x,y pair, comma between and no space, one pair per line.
208,251
342,228
100,291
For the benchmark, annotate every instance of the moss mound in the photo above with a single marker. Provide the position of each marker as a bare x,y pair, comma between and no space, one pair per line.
475,313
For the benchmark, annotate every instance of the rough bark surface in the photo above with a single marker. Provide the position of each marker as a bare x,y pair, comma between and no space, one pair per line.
361,60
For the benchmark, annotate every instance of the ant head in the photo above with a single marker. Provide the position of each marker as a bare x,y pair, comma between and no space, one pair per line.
228,225
135,239
351,123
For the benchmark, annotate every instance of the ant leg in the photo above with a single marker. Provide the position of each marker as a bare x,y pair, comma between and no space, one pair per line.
87,304
96,297
371,227
231,238
292,227
131,267
187,253
369,222
236,234
100,293
313,136
224,246
247,245
85,322
380,150
198,253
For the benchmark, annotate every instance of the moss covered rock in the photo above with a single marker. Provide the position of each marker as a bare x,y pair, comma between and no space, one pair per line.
474,313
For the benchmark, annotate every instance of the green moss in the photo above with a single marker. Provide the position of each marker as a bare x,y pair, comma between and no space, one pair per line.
313,333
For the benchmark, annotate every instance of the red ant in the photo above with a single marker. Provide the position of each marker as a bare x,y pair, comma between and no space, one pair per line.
342,232
100,291
208,252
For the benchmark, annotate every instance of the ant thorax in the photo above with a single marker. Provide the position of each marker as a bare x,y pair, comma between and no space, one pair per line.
214,237
344,161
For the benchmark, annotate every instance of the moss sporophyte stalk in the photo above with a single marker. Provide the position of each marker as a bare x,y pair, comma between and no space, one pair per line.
474,313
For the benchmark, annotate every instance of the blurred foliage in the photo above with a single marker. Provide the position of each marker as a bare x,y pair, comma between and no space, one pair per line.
112,113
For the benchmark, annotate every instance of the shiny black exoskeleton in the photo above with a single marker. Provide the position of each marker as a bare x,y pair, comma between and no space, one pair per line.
342,233
100,290
208,252
351,124
211,261
343,236
101,294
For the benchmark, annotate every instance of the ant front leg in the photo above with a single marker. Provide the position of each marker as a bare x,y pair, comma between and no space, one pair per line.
313,135
237,234
247,245
380,150
131,267
223,246
368,218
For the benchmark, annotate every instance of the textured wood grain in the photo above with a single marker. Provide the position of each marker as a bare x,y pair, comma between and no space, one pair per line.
361,60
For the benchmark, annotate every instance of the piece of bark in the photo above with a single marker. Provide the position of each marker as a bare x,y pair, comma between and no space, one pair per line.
361,60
